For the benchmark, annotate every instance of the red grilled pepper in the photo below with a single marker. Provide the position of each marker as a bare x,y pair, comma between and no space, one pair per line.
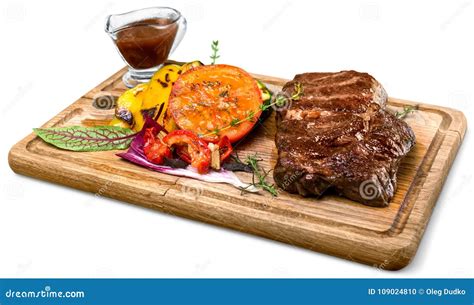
197,149
154,149
182,152
225,148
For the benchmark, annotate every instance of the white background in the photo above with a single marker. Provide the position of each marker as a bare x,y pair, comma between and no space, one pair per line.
53,52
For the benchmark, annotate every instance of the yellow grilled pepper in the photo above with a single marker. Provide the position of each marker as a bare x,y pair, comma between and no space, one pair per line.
158,91
150,99
128,108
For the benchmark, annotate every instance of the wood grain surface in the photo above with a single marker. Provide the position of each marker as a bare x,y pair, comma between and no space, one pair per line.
386,238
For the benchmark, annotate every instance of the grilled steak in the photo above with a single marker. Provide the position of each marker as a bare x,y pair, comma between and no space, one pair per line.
337,135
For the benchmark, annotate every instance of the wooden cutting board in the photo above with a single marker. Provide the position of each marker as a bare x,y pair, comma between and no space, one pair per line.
384,237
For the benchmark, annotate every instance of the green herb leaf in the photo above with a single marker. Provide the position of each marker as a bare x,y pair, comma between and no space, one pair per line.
234,122
78,138
250,115
406,110
216,131
215,49
298,91
280,101
259,174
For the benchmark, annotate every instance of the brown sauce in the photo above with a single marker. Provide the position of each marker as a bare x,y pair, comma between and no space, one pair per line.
147,43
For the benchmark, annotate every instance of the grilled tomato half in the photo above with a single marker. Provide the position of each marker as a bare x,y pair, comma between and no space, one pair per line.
216,101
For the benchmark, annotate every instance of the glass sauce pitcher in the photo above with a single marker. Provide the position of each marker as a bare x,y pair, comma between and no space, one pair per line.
145,38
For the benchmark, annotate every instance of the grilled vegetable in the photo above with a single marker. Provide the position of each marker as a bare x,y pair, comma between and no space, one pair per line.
209,99
215,158
149,99
197,148
136,156
266,94
220,152
158,91
119,123
225,148
169,123
154,149
128,108
190,65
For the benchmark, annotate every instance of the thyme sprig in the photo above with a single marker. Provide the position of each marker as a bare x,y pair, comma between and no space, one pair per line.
215,49
259,174
298,91
278,102
406,110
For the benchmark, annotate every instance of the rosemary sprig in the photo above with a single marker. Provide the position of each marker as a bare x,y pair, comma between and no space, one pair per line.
215,49
279,102
406,110
259,174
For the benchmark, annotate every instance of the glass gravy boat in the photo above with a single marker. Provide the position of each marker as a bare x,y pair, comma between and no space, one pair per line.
145,38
